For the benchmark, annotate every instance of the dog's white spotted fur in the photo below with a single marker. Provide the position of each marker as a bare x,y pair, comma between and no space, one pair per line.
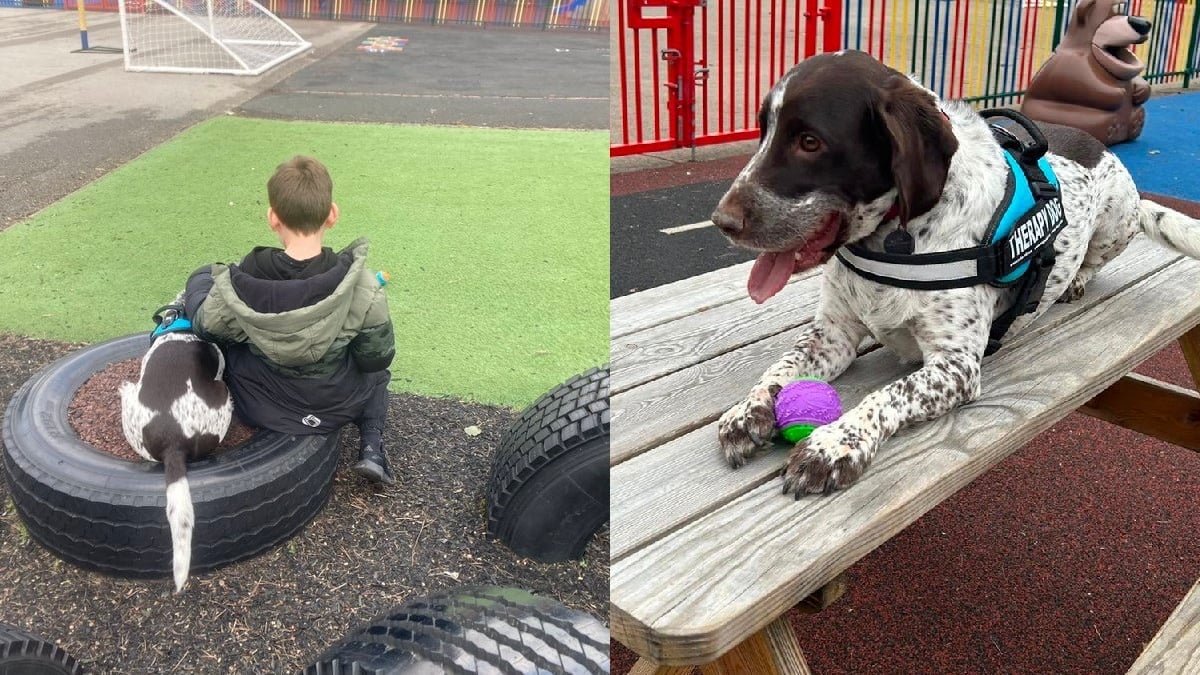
193,417
947,331
134,418
196,417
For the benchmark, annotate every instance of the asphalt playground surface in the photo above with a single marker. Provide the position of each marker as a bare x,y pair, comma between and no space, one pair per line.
455,76
1065,558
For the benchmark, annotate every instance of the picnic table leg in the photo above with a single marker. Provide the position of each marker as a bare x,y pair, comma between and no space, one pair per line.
1189,342
1164,411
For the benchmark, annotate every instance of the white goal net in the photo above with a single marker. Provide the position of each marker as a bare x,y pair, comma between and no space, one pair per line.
205,36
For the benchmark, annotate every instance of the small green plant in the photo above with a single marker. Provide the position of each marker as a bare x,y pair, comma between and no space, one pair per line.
10,513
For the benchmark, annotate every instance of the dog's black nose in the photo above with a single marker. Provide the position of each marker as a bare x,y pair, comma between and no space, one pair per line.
729,217
1142,26
730,225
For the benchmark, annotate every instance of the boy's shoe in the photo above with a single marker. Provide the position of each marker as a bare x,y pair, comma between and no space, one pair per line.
373,464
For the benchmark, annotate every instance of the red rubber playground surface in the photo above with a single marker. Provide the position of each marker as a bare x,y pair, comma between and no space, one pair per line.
1065,558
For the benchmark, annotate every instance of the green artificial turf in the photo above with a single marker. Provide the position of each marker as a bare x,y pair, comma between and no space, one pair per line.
496,242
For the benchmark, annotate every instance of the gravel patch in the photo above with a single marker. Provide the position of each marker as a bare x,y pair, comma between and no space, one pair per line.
370,549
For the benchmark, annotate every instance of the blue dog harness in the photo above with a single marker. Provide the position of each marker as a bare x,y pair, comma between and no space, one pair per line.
1019,242
170,319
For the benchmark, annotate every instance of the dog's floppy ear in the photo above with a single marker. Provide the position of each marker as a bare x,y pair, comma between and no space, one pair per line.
922,145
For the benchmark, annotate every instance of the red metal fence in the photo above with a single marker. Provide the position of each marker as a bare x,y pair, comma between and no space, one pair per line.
692,74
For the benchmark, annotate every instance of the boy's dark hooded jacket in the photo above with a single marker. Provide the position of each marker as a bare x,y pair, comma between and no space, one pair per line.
305,350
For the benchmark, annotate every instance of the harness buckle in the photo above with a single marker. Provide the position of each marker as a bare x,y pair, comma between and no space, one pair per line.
1042,190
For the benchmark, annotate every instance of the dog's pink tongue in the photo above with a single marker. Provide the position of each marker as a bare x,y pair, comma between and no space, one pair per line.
770,274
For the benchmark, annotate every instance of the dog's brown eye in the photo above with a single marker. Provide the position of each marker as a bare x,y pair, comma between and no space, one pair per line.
808,143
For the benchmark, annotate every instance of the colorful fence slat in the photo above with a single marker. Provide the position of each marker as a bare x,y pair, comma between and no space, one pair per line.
987,51
544,14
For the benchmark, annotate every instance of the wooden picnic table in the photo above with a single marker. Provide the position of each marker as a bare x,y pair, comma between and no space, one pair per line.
706,560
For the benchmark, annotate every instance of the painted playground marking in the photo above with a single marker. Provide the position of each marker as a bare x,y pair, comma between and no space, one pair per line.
383,44
685,228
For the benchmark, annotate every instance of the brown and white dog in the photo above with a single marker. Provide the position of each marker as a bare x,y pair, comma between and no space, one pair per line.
178,411
849,150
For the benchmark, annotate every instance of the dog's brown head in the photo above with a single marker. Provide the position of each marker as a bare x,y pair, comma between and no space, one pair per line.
838,132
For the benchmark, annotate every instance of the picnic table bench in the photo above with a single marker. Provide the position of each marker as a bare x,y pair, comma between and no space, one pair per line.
707,560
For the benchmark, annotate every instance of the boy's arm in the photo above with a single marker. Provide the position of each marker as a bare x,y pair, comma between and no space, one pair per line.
195,293
373,348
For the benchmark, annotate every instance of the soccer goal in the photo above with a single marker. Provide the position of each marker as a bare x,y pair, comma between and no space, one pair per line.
205,36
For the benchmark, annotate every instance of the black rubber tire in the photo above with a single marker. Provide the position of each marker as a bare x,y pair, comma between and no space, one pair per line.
25,654
548,493
107,514
473,629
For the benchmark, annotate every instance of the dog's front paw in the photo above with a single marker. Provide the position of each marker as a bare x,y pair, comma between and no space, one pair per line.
747,426
1074,291
829,459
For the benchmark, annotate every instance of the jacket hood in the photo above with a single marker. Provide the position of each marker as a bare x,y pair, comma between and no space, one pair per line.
332,307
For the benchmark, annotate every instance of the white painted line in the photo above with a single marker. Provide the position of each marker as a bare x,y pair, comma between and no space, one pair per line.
685,228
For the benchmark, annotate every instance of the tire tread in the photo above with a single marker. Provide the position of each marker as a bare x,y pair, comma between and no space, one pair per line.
16,643
464,629
564,418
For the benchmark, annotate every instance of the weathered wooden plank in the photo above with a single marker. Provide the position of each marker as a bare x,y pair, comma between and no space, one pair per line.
772,651
704,587
675,404
1148,406
649,354
687,477
1176,647
662,304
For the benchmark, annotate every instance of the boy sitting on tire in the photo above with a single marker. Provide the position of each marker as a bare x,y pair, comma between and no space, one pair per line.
306,331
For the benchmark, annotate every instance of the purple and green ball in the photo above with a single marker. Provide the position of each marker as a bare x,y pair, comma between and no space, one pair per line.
803,405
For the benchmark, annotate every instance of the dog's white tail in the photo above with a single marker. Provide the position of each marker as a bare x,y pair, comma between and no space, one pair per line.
1170,228
180,515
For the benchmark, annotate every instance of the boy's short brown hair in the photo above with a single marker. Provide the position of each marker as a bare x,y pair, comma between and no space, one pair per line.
301,194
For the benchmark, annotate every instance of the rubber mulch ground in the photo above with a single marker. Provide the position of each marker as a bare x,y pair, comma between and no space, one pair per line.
1066,557
366,552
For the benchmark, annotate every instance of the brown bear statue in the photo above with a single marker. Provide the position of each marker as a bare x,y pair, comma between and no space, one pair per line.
1093,81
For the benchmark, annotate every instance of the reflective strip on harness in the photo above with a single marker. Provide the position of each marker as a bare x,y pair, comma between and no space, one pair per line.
1029,218
963,272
